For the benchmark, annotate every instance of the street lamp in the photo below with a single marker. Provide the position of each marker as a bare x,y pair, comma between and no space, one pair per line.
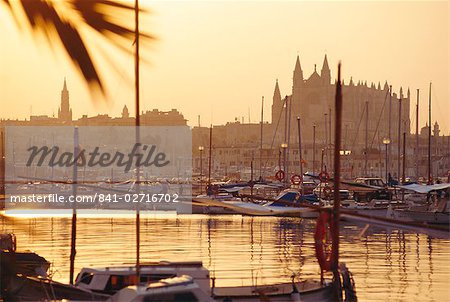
200,149
284,147
386,142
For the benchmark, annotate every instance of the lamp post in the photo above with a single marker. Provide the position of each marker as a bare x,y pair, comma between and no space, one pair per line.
386,142
200,149
284,147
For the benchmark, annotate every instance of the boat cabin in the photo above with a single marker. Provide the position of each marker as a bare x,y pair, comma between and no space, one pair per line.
109,280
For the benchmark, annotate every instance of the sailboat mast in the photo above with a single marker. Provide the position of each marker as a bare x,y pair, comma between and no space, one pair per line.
404,162
399,134
417,137
261,140
314,148
210,155
388,156
366,144
137,135
429,136
330,141
300,152
324,164
288,141
337,175
74,211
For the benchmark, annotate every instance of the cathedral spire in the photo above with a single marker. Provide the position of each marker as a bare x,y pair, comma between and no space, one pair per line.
325,73
298,67
276,93
298,74
64,111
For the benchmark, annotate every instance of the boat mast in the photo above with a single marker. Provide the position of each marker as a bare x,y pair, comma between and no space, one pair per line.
404,164
285,134
73,240
137,135
337,175
417,137
210,155
326,144
366,138
261,140
388,157
300,153
314,148
429,136
329,141
399,134
288,140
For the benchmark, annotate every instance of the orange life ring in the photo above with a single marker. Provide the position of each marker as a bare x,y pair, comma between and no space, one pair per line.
324,176
322,239
296,179
280,175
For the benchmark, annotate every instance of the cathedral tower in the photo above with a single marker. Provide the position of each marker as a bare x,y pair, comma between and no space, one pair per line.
64,111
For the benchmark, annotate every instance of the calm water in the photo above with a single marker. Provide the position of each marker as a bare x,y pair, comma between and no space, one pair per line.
388,265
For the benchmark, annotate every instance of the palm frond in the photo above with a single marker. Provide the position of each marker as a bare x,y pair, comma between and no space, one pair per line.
98,15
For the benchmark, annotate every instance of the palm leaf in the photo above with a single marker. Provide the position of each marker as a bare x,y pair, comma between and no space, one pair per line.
43,16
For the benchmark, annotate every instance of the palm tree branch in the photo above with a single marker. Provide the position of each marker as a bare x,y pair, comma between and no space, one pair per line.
43,16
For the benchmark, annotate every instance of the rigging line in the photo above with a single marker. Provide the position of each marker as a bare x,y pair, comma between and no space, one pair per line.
379,119
357,129
275,132
436,104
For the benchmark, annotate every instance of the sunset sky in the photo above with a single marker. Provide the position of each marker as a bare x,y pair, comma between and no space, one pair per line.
217,59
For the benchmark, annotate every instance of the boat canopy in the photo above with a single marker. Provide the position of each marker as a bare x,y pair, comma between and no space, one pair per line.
425,188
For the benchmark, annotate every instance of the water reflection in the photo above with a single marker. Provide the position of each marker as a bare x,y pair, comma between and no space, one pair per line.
388,265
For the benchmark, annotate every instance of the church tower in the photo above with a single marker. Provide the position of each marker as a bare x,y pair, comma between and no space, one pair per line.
64,111
325,73
277,104
125,113
436,130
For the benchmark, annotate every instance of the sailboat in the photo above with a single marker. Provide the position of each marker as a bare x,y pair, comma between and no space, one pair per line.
434,208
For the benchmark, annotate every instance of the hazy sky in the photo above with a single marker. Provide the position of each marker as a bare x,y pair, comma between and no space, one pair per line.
218,59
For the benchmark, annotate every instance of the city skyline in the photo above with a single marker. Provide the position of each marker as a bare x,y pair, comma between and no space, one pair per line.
229,83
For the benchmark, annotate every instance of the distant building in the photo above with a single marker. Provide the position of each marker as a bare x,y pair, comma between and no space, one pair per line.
65,117
64,111
370,113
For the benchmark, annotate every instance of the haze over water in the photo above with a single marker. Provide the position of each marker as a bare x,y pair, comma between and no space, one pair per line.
388,265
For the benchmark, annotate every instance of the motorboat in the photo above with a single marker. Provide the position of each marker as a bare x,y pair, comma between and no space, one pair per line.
173,280
287,203
434,209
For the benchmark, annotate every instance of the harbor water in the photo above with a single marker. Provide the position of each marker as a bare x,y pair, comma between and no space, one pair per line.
387,264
